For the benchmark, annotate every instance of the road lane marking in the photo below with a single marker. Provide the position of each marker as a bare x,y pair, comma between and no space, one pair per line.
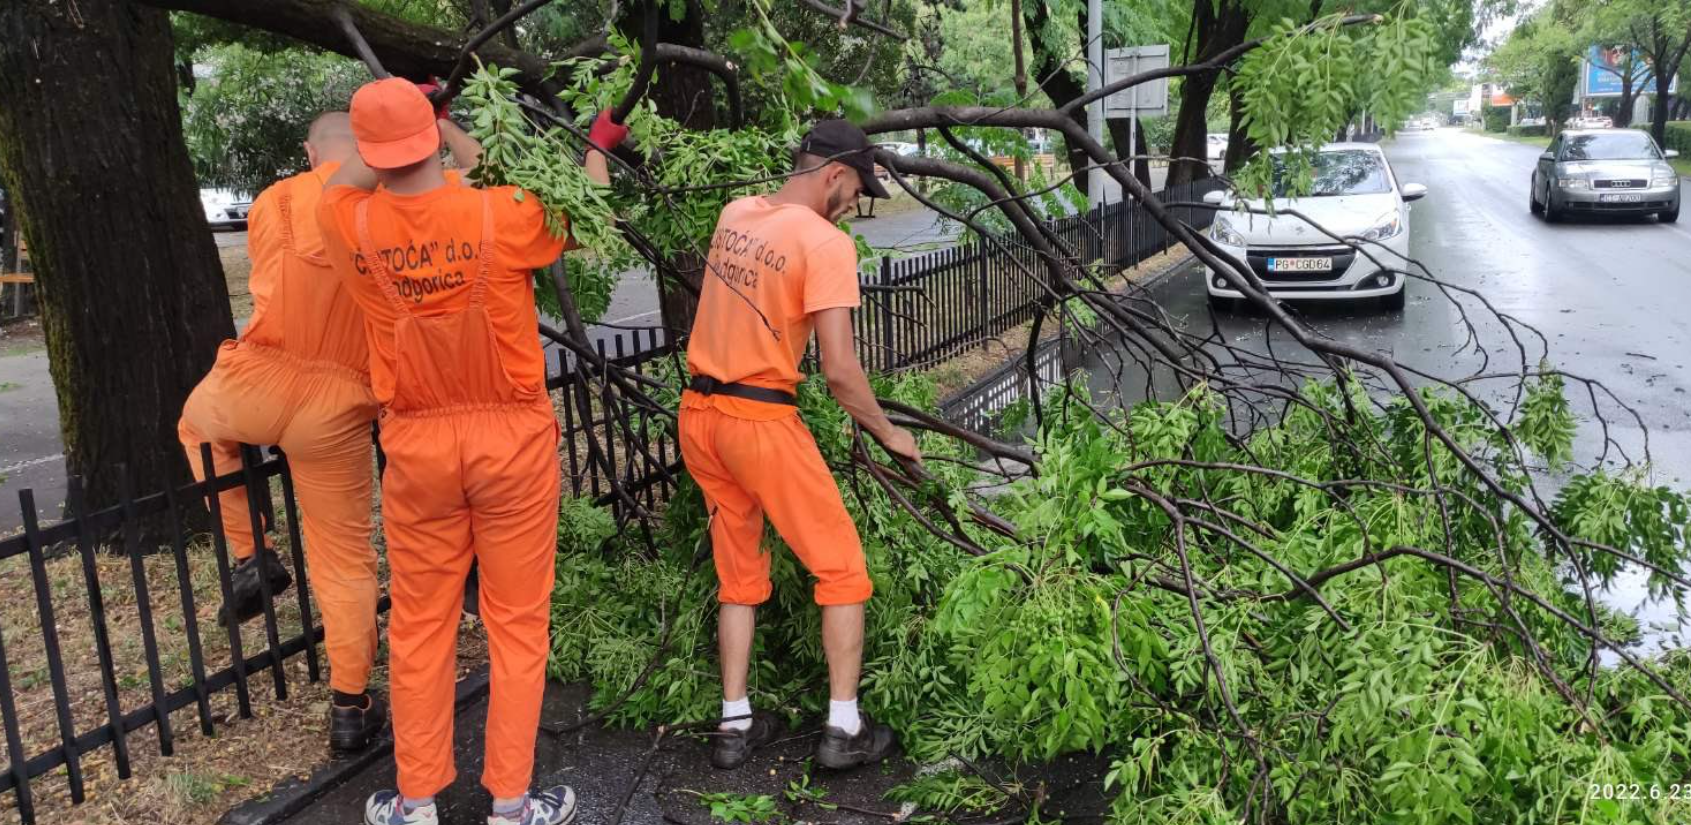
28,463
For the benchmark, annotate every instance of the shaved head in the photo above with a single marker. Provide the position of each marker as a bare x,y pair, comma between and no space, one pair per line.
329,140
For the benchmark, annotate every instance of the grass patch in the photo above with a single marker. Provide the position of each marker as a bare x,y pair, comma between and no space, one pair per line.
8,386
1541,141
1682,165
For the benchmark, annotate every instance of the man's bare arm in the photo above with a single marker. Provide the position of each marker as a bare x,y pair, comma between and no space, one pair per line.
851,387
466,150
598,169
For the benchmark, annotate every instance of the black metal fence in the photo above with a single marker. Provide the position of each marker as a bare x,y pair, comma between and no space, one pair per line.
921,310
129,701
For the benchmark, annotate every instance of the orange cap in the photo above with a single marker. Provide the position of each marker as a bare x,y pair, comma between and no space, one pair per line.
394,124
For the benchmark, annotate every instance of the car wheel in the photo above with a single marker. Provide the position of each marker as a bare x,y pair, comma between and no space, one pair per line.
1551,213
1532,200
1395,301
1668,217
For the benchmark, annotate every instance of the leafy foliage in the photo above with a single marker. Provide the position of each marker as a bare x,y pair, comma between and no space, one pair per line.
1077,637
245,123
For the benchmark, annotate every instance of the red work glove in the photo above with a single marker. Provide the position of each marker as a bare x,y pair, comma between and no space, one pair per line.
428,90
606,134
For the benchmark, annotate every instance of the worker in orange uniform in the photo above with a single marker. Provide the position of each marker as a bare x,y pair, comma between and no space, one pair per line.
779,268
444,275
299,378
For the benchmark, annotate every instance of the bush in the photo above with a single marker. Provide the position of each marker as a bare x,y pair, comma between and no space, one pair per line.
1678,136
1529,131
1496,118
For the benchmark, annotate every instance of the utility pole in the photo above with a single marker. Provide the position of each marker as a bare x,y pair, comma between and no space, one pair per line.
1021,73
1094,82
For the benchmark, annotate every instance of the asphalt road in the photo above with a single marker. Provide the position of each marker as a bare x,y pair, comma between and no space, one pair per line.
1607,295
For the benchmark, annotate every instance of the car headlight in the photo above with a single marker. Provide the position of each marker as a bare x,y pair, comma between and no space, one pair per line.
1573,183
1664,177
1390,227
1222,232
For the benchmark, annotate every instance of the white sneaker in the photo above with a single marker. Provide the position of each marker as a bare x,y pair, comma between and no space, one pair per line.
553,806
384,808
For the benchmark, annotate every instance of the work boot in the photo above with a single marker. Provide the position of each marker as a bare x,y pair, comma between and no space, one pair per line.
733,747
553,806
248,592
872,743
351,729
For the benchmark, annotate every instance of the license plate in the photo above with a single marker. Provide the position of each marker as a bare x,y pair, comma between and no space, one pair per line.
1300,264
1621,198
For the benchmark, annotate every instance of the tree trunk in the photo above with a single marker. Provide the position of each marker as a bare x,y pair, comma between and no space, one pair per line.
684,94
1623,114
1219,26
1062,87
133,300
1240,147
1667,68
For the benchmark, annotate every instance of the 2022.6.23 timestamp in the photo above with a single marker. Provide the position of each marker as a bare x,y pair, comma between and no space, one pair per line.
1639,791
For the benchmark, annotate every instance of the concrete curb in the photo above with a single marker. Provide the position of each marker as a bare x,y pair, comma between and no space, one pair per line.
293,795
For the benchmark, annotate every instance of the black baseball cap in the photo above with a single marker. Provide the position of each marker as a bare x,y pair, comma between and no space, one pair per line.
841,141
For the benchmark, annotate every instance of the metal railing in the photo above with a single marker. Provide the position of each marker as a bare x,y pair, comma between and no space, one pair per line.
40,545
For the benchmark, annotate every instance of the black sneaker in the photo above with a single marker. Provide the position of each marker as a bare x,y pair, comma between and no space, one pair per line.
353,729
734,747
248,593
872,743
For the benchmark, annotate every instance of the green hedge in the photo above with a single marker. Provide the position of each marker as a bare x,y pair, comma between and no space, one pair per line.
1529,131
1496,118
1679,136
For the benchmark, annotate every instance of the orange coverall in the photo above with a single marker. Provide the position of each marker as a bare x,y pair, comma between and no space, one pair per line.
299,378
472,447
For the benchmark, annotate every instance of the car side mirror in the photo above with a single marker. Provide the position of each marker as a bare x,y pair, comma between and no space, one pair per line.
1217,198
1671,153
1413,192
1547,156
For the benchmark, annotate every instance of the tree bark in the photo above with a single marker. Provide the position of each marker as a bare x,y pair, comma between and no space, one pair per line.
1240,147
684,94
405,49
1219,27
133,300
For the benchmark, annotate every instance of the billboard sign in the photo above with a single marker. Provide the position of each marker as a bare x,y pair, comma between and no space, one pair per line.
1606,67
1458,107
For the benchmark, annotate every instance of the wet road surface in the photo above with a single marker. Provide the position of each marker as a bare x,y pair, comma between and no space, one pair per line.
1607,295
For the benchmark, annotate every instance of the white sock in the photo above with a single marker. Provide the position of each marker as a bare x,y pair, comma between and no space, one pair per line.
844,715
739,707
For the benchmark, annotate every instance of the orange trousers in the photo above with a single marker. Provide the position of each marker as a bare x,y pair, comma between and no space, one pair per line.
749,469
462,483
319,413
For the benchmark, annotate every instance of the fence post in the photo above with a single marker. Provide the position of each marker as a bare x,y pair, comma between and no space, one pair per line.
97,617
886,315
50,643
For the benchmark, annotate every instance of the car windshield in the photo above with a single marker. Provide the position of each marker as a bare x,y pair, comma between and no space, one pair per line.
1339,172
1610,146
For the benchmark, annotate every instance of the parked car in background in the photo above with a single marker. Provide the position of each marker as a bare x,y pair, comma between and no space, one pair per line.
1215,147
1605,171
1354,196
1591,122
225,209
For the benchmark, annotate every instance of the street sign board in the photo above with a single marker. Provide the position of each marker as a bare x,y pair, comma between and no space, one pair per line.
1150,98
1459,107
1605,67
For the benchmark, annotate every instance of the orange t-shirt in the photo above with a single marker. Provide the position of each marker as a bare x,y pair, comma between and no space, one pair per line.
785,262
299,305
430,243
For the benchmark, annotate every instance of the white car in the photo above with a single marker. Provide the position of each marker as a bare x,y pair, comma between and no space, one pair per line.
1355,196
225,209
1215,147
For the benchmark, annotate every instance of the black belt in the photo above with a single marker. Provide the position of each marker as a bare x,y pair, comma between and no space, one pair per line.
706,385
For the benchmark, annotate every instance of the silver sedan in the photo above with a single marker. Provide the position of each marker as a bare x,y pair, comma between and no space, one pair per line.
1614,171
